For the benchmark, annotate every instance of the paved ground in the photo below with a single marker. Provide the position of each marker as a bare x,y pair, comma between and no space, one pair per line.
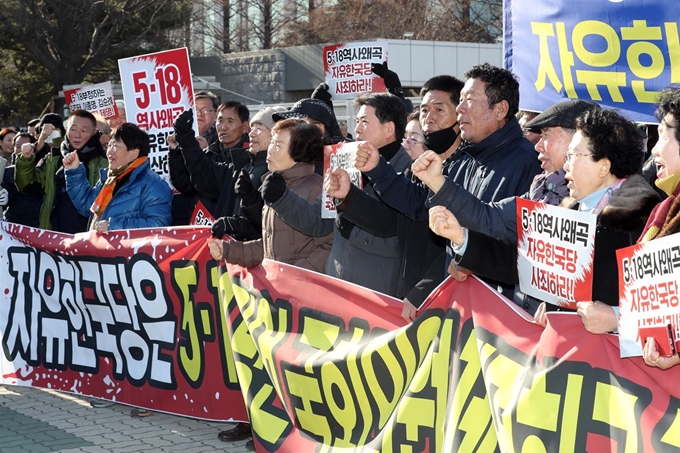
42,421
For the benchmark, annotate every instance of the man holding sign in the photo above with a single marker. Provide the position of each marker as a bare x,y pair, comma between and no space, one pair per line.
357,255
665,218
557,126
601,167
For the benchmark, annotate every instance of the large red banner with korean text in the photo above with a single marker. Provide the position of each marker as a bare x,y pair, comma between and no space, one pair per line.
134,317
347,68
555,250
648,290
147,318
327,366
157,87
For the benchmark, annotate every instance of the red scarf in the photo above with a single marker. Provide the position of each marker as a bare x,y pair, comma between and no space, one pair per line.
664,217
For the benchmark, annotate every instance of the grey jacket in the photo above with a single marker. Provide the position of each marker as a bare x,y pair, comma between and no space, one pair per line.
361,258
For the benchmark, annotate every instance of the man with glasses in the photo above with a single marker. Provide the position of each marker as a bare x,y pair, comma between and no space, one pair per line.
206,106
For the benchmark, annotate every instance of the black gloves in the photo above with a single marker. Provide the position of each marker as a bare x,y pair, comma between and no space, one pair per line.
392,82
237,227
321,93
273,187
183,124
245,189
219,227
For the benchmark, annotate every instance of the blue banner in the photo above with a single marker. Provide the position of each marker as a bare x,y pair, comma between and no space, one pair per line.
618,53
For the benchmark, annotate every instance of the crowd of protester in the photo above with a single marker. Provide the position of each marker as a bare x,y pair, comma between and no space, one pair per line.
438,197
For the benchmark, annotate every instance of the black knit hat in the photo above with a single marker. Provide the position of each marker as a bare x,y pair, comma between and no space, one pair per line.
54,119
562,114
312,108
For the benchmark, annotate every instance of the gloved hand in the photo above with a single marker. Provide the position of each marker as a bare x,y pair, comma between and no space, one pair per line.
273,187
235,226
321,93
183,125
219,227
4,197
245,189
392,82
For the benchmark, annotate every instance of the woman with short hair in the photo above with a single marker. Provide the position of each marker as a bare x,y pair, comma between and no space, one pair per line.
294,149
129,194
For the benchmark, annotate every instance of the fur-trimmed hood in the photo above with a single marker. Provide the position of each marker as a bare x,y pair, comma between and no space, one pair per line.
629,206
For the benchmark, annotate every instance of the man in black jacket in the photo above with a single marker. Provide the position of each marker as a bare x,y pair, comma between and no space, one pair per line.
493,161
232,128
206,104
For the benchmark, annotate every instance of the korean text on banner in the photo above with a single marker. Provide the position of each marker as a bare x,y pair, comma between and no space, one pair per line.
335,368
97,98
157,87
555,250
339,156
620,54
131,316
201,215
648,290
347,68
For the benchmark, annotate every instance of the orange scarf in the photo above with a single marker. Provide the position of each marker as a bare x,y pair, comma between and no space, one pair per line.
106,194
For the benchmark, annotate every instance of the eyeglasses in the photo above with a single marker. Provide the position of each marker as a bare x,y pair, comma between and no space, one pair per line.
412,141
568,156
204,111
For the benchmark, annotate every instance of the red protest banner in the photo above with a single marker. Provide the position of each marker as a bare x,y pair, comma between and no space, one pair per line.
141,317
329,366
133,317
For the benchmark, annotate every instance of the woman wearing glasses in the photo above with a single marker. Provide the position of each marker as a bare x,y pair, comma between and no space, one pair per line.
413,136
601,168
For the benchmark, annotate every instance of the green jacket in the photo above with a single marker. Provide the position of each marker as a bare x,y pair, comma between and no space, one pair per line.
27,172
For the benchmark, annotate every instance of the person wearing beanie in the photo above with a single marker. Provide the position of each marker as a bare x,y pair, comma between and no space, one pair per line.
20,207
58,212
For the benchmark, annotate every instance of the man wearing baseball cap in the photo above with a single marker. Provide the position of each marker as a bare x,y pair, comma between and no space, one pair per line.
317,113
495,224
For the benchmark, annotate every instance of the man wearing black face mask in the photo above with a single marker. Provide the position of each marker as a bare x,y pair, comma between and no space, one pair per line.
490,158
438,117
